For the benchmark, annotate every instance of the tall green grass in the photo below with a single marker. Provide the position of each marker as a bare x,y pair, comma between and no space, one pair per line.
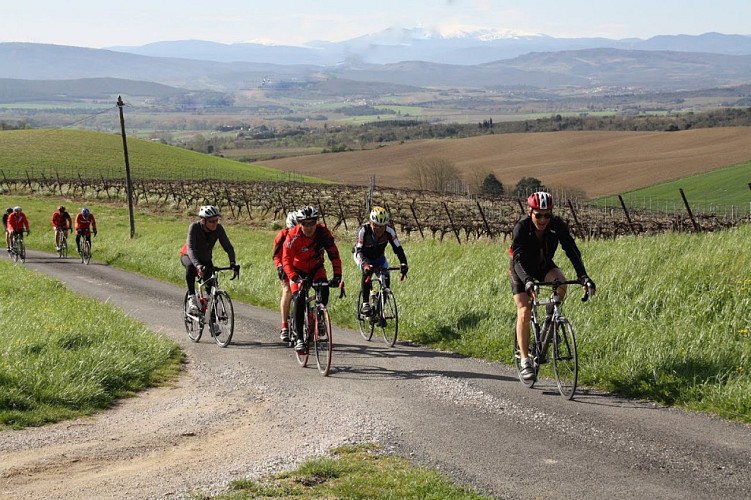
63,356
670,321
68,153
714,192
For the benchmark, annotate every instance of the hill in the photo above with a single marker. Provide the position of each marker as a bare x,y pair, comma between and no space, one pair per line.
68,153
600,163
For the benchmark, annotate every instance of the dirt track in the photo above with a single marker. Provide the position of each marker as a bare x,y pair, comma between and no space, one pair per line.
600,163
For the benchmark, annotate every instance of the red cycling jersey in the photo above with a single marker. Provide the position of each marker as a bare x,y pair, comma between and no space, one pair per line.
302,255
85,223
17,222
61,220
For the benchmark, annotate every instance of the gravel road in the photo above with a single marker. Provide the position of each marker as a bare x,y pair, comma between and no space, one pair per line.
229,416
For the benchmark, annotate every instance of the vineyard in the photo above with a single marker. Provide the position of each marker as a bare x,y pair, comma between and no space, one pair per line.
427,214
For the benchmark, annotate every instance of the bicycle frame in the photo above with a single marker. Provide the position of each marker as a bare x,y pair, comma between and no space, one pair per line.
17,247
217,301
315,315
383,308
559,332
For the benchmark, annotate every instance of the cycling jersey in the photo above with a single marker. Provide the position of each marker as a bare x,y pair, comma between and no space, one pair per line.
369,249
532,258
304,256
17,222
199,245
85,223
61,220
279,240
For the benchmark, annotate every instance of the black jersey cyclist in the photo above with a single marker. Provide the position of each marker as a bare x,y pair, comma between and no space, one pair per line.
535,239
370,248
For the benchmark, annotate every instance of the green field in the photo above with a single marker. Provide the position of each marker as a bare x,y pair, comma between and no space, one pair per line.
670,321
709,192
68,153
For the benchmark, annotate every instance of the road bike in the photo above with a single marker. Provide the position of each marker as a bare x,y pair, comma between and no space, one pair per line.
384,313
556,329
215,308
84,249
17,247
62,244
316,327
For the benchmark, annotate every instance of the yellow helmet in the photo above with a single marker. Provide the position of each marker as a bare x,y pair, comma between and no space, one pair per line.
379,216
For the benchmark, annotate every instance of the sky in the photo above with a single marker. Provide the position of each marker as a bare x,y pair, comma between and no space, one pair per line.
100,24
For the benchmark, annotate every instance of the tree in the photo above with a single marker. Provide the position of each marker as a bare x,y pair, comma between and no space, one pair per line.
491,186
434,174
528,185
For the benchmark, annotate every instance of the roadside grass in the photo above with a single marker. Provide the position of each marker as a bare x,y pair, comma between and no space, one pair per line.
68,153
670,321
63,356
710,192
361,471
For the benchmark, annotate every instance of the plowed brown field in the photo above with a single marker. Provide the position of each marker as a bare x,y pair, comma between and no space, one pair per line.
599,163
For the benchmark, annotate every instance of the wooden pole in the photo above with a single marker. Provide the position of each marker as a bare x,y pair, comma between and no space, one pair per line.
128,182
451,221
688,208
628,217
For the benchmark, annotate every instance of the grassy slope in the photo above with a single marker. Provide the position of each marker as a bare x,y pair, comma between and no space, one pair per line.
94,154
725,187
670,321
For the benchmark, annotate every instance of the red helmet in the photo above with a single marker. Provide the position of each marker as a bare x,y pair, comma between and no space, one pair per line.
540,200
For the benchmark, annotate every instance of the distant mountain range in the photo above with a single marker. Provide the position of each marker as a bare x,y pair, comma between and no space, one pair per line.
402,58
417,44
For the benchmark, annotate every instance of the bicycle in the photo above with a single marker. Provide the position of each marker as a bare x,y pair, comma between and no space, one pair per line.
384,312
316,326
62,244
221,314
85,246
557,331
17,247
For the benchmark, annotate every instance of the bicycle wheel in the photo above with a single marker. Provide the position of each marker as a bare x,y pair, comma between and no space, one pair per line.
22,250
388,317
308,322
323,342
85,251
14,249
518,357
64,248
364,323
193,322
222,324
565,362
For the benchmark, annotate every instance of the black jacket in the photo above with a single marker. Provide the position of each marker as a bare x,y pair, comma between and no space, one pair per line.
532,258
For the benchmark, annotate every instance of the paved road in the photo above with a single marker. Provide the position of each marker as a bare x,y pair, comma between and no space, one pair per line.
468,418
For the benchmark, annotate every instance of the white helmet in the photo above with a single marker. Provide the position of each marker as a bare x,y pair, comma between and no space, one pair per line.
291,219
308,213
379,216
207,211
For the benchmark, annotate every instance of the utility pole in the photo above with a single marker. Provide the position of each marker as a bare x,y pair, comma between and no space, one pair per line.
128,182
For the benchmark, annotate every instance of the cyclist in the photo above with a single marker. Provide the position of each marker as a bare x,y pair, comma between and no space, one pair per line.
196,253
16,224
535,240
369,251
284,303
302,257
62,223
5,227
85,225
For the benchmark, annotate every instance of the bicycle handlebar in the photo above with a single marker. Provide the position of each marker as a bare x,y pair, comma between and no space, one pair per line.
556,283
375,270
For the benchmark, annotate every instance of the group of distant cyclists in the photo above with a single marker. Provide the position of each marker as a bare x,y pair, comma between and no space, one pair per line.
299,248
16,223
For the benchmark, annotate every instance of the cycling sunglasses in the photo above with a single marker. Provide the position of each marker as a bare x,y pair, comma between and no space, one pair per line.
541,215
